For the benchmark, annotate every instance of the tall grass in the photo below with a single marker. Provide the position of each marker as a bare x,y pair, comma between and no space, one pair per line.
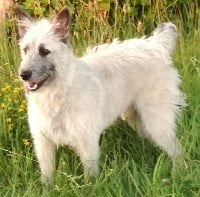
130,166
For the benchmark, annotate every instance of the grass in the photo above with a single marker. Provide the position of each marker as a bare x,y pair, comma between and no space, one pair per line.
130,166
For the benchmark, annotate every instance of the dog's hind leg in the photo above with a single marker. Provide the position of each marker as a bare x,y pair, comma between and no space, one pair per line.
45,152
158,122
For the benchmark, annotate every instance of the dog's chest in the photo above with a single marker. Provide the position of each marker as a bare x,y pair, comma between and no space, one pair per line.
52,120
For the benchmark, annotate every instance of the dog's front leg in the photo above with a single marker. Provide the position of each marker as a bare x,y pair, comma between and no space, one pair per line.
89,152
45,152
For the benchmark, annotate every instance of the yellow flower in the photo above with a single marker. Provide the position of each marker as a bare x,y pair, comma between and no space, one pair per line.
20,109
3,89
16,90
9,100
26,142
3,105
8,120
6,87
10,126
16,80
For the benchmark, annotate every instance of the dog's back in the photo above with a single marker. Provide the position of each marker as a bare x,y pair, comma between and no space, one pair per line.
165,35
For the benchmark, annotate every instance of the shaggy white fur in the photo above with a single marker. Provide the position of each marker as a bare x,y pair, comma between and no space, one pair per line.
72,100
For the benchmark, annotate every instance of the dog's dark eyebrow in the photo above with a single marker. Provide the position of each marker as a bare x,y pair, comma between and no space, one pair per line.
43,51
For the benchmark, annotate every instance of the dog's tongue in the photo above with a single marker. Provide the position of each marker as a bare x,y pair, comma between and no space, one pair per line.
30,86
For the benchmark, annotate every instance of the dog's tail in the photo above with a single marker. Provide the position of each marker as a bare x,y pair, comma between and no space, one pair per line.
165,34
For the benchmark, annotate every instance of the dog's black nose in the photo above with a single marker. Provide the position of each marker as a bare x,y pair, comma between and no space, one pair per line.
26,75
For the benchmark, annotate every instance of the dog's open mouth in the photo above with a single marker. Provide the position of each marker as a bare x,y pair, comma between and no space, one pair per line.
33,86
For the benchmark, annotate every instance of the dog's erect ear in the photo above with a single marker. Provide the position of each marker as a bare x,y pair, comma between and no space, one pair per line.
24,21
61,24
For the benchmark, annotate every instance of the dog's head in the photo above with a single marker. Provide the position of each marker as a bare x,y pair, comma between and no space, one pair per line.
41,43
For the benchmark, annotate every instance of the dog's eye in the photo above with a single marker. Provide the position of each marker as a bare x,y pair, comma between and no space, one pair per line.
25,50
43,52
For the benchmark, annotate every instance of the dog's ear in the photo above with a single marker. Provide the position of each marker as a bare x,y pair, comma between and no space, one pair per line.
24,21
61,23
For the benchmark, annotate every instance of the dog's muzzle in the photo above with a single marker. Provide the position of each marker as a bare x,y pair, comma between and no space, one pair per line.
29,84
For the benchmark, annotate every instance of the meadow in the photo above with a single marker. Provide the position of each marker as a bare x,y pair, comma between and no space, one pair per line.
130,166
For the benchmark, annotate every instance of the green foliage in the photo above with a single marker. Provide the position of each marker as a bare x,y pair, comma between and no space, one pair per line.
130,166
146,11
109,16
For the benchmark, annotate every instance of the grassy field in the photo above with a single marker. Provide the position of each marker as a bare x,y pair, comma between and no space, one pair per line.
130,166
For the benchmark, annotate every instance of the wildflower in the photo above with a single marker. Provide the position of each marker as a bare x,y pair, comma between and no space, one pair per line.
6,87
7,97
3,89
8,120
20,109
3,105
26,142
16,80
17,90
10,126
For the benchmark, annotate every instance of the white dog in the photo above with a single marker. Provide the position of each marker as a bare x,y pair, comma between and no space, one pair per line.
72,100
